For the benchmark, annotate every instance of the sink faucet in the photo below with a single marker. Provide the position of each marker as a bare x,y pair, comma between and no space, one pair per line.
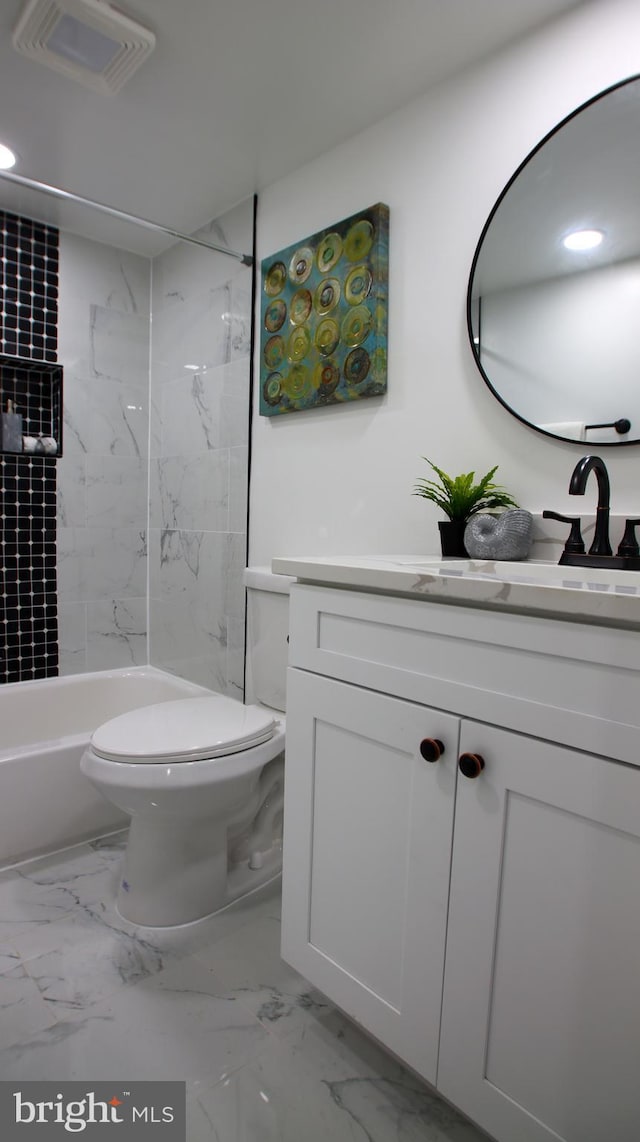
577,485
599,554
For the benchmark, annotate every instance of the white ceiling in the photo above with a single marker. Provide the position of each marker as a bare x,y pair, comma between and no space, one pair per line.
235,96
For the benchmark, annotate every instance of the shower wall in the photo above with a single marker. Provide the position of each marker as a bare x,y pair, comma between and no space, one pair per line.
200,377
152,484
104,315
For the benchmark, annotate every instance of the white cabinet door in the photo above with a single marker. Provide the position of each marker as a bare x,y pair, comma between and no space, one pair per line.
541,1012
367,839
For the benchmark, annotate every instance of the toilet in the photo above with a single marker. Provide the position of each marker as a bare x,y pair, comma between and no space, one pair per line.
202,779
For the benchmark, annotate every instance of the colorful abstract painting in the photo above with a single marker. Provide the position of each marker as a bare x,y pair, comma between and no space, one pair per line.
324,316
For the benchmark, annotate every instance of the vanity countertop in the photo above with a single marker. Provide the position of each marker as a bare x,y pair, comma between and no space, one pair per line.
579,594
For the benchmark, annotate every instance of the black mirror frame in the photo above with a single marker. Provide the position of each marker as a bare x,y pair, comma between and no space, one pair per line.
485,228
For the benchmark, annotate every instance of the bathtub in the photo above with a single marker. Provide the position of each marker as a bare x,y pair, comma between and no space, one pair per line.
46,803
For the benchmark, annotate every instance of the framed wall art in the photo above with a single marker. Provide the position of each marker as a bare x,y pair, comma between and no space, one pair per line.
324,304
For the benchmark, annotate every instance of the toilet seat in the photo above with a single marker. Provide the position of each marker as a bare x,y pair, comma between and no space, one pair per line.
188,729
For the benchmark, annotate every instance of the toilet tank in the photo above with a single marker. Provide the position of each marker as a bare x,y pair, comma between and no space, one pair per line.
267,633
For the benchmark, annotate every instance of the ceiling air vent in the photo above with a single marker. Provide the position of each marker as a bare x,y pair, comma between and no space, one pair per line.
87,40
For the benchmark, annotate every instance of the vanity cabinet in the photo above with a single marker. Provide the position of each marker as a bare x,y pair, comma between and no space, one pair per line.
369,824
486,929
541,1010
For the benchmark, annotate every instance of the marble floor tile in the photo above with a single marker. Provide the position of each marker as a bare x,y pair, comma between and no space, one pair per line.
249,964
70,870
111,847
316,1086
271,1099
51,889
24,905
90,962
43,939
9,958
176,1025
86,995
23,1012
372,1088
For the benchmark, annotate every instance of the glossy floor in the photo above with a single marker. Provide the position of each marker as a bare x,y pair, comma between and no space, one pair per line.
84,995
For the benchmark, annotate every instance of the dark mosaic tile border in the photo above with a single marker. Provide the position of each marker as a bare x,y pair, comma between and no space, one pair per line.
28,328
28,288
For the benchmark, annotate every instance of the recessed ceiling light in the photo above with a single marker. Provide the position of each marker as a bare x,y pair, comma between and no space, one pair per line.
7,158
583,239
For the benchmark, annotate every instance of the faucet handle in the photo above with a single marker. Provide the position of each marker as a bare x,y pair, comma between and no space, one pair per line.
575,542
629,543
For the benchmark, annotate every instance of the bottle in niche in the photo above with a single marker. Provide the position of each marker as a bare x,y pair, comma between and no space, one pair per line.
11,429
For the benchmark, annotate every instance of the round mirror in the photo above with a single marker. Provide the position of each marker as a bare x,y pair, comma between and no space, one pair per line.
553,305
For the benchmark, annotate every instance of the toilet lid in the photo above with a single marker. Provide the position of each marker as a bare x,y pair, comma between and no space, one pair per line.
188,729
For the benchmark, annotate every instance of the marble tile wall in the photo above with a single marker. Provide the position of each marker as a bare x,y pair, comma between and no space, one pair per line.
103,475
185,571
198,472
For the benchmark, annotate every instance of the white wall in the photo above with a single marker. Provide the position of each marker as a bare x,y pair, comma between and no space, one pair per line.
339,480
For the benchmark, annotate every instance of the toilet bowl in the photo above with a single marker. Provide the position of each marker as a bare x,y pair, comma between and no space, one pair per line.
202,779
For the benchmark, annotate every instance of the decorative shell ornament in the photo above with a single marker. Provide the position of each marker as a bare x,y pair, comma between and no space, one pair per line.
505,536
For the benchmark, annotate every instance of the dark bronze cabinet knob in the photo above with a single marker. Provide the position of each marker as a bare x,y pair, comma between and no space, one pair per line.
431,749
471,764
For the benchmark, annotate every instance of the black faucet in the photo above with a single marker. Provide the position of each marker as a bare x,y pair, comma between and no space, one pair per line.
599,554
577,485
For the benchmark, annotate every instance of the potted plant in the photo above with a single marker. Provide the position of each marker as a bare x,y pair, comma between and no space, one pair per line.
460,497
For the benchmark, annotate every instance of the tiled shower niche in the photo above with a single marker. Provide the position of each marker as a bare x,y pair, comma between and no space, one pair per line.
31,380
31,395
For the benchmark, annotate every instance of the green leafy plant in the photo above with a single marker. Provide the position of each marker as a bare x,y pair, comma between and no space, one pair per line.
459,497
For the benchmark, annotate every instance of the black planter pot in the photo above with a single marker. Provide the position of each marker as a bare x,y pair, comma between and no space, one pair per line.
452,538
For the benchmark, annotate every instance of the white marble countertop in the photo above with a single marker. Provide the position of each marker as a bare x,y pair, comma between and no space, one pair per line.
607,597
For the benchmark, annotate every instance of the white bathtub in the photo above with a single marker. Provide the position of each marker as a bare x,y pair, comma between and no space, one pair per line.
45,801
